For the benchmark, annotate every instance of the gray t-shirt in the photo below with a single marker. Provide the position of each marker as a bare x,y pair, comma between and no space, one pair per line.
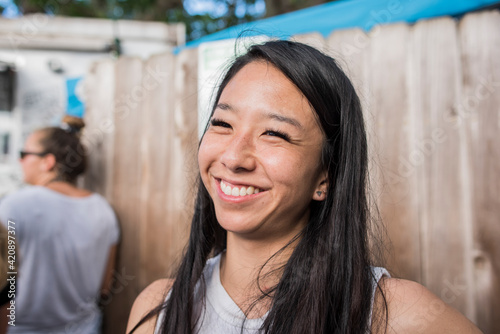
63,247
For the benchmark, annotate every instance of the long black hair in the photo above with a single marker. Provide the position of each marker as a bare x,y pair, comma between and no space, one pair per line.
326,285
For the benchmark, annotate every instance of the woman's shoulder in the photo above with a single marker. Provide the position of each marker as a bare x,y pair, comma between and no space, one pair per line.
152,296
38,196
22,193
23,198
412,308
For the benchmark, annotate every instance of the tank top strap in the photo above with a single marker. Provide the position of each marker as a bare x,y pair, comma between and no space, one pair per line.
377,274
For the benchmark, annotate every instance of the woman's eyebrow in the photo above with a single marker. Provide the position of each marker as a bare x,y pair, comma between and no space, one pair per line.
224,106
285,119
270,115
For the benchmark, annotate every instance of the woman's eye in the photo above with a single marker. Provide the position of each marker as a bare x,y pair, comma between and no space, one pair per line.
274,133
218,122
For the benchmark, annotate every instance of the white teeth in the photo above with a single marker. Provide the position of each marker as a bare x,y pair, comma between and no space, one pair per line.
235,191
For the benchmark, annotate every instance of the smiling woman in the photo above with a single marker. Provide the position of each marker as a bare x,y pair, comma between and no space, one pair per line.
263,135
278,238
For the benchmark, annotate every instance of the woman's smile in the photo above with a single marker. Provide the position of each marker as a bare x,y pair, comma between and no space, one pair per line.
237,192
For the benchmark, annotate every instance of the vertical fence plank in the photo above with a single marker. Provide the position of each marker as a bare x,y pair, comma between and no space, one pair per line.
99,131
169,140
478,111
156,135
183,143
349,48
185,148
125,195
187,127
435,154
391,175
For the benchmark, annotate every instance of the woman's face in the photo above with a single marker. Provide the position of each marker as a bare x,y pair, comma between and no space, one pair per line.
260,157
32,165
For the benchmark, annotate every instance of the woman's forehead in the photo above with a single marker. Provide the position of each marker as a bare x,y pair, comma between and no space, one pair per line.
260,81
33,139
260,86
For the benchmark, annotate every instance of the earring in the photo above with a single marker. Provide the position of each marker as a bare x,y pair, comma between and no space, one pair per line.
319,193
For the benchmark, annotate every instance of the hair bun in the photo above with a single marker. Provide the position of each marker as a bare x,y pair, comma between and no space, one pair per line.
72,124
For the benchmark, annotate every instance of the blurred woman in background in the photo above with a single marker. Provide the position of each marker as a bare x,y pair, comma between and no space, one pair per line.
66,237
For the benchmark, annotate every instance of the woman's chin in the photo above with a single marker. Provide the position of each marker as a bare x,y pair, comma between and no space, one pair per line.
236,226
239,226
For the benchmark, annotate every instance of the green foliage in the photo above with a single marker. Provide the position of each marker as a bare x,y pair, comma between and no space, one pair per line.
204,24
92,8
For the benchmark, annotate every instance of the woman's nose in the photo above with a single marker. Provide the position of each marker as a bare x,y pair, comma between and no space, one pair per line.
239,155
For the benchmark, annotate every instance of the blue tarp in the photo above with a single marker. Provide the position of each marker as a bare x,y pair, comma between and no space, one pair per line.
347,14
75,107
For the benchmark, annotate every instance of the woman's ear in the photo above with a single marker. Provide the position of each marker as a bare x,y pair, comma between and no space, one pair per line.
49,162
321,188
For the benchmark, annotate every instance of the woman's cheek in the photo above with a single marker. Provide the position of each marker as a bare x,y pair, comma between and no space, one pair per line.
280,163
205,151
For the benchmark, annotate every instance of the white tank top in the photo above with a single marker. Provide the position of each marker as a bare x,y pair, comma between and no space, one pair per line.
222,315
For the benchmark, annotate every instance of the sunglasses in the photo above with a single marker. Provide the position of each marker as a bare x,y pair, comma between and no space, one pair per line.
23,154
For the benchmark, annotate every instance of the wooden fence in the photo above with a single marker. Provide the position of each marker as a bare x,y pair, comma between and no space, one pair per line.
431,96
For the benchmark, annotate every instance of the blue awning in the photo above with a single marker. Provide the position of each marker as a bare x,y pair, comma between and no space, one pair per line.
347,14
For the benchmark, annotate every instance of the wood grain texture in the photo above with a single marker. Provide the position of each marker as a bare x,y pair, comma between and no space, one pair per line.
187,91
156,138
392,177
169,142
180,193
98,137
349,48
435,155
125,195
478,113
98,133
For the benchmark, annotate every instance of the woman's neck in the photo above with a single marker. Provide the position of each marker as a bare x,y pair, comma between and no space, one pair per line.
67,189
246,260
